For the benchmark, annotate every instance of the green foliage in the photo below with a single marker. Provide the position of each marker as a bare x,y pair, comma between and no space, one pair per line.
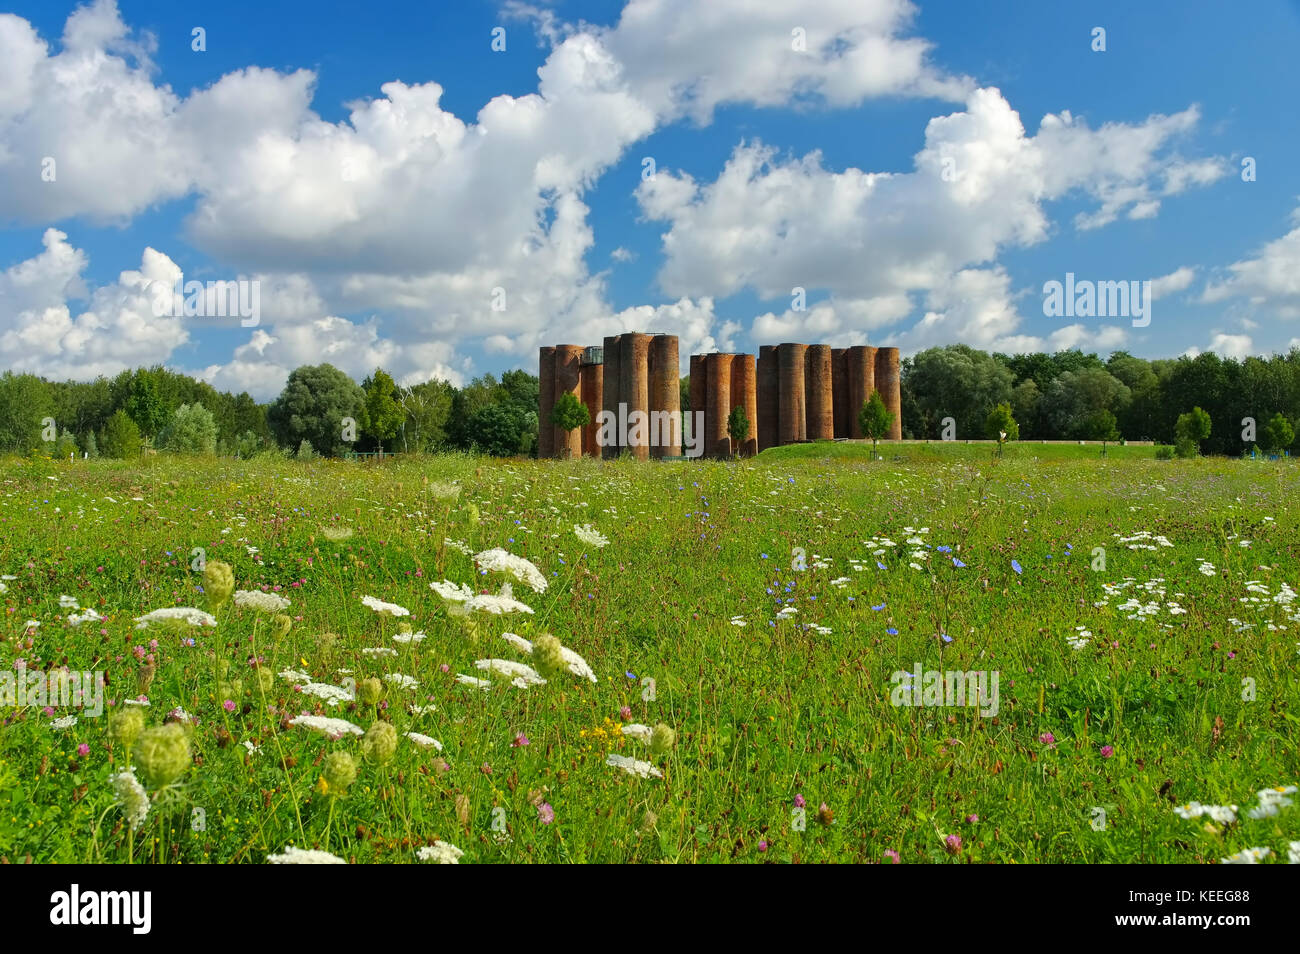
1278,434
1075,398
145,405
91,446
1101,425
24,401
959,382
737,428
569,413
121,437
384,416
1191,428
1000,421
191,430
875,419
312,406
499,430
247,445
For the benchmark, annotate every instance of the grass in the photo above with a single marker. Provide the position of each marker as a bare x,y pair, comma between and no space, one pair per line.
1153,711
913,452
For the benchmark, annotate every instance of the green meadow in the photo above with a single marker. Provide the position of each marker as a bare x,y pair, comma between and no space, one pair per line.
1132,624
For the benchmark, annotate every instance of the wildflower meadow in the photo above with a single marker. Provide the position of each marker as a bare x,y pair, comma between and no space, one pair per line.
931,657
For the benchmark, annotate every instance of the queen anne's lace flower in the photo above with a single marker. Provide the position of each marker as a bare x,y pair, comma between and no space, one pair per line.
261,602
384,609
185,615
573,662
335,728
440,853
304,856
633,766
590,536
1247,856
132,797
515,672
502,561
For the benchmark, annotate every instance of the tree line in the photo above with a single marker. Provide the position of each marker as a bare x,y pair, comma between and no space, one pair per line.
951,391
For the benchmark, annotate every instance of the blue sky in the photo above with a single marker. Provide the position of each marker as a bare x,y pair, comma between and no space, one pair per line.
380,236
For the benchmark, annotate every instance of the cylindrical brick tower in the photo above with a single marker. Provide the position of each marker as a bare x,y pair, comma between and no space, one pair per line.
817,388
699,396
716,441
840,390
610,392
791,425
889,382
665,396
545,402
744,393
591,385
768,398
568,377
634,371
862,380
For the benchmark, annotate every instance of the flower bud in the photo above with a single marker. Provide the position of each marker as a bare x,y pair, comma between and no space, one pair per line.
548,654
218,582
380,742
662,739
125,726
369,691
339,771
162,754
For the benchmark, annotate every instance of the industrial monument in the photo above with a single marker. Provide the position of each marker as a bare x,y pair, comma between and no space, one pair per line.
793,393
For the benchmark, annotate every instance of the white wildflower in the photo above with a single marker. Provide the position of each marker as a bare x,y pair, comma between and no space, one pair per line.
87,615
69,602
405,638
424,740
131,796
304,856
1247,856
502,561
1223,814
1272,801
67,722
334,728
637,731
590,536
403,681
511,670
576,664
261,602
176,614
634,766
465,680
441,853
332,695
384,609
452,592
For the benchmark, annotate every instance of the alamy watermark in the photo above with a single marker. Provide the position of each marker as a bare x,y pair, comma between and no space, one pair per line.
224,299
60,688
976,689
1089,299
650,429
